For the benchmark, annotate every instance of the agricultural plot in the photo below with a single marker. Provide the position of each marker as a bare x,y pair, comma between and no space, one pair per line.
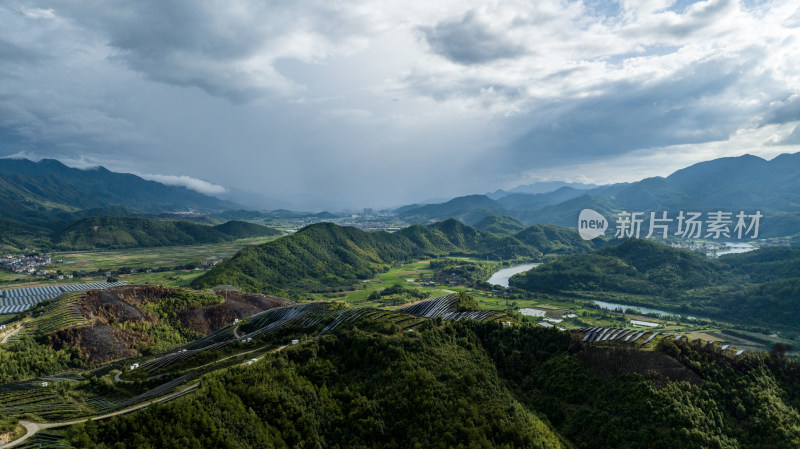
35,399
170,256
62,312
109,402
46,440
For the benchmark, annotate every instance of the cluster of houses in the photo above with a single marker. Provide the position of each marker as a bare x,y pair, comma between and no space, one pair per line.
211,261
27,263
699,246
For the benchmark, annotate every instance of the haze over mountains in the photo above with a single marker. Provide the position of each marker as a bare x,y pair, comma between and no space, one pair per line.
39,193
729,184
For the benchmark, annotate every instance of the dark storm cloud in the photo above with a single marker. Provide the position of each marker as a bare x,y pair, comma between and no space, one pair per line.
12,53
470,41
630,116
224,48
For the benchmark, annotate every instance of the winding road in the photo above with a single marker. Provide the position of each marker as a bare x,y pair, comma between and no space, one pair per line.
31,428
8,334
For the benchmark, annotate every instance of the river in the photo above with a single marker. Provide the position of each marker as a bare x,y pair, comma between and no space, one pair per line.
645,310
501,277
735,248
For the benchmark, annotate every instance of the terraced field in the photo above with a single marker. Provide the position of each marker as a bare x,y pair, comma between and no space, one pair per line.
60,313
34,398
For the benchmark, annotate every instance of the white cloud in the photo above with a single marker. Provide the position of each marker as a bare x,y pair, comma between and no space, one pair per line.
195,184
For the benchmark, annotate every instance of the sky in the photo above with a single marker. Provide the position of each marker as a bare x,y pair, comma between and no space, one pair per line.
329,104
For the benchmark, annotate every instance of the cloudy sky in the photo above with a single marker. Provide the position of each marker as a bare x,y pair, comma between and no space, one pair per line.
379,103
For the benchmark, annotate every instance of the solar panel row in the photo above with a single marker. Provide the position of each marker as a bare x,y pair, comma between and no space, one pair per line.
21,299
14,309
26,299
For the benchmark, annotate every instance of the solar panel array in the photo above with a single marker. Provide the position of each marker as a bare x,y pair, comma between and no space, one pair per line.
17,300
444,307
595,334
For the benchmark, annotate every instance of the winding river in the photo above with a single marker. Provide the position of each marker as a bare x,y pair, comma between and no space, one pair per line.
501,277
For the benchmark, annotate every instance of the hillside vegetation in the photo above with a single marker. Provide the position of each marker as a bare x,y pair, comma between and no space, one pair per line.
49,191
760,287
474,385
499,224
131,232
80,330
326,256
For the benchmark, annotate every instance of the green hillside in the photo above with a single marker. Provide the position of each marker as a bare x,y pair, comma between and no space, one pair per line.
551,239
760,288
632,266
325,256
500,224
132,232
475,385
47,191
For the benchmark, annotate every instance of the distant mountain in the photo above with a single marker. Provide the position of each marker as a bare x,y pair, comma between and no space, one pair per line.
551,186
730,184
469,209
37,192
327,257
527,201
132,232
254,200
540,187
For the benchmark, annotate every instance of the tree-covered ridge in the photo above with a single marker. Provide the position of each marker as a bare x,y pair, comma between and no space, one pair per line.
48,191
500,224
131,232
472,384
761,287
632,266
617,398
325,256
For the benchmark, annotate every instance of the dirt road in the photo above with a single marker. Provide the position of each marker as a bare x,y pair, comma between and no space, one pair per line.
31,428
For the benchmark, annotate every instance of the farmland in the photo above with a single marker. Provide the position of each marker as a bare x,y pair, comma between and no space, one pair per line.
137,258
150,257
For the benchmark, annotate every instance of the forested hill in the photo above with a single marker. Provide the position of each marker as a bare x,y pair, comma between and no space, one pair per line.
760,287
46,191
325,256
500,224
633,266
475,385
131,232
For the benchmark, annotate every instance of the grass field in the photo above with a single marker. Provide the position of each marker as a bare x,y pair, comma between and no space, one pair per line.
406,275
138,258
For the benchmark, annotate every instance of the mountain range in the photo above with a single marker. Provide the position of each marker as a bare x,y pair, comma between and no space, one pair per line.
326,257
540,187
729,184
47,191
